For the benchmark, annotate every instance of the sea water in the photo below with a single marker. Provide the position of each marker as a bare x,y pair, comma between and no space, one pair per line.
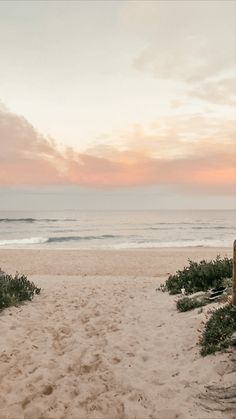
116,229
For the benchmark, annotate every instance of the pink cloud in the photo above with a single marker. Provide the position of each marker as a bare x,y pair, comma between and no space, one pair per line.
28,158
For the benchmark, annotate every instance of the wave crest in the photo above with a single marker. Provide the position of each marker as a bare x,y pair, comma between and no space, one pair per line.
43,240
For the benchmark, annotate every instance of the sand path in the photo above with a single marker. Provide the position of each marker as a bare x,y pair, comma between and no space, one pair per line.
107,348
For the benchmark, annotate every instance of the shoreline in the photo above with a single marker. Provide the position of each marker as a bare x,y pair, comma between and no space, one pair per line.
124,249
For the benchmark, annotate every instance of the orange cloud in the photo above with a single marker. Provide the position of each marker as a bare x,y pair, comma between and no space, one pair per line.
28,158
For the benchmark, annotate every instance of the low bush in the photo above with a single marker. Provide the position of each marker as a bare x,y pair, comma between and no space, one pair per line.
200,276
218,330
15,289
186,303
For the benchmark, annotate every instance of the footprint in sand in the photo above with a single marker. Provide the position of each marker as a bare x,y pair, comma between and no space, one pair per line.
47,390
65,330
116,360
170,414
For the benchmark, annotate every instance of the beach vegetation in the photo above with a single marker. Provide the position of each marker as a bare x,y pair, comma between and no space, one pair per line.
15,289
201,276
186,303
218,330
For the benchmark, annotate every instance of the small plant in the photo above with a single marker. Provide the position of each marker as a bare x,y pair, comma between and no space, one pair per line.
186,303
200,276
218,330
15,289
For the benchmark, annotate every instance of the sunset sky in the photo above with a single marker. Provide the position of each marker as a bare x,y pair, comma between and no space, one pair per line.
117,104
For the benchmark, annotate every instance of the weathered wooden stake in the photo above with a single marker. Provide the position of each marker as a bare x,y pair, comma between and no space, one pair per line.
234,275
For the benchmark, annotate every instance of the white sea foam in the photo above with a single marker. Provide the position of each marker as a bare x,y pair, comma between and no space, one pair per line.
183,243
50,240
31,240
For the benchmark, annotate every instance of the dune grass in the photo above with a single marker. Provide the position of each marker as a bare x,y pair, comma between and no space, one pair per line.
15,289
200,276
186,303
218,330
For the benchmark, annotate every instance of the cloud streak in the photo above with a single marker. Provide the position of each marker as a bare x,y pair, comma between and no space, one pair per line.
170,155
190,42
202,37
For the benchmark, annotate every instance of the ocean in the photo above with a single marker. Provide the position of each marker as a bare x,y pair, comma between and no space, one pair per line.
116,229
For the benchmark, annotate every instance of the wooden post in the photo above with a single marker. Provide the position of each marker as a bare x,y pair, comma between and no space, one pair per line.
234,275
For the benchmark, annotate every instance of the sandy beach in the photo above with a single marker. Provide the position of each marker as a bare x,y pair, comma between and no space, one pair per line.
117,169
101,342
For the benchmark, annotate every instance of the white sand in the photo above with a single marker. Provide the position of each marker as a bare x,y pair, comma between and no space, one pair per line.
107,345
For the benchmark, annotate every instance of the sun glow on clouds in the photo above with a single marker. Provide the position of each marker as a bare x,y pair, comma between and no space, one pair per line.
162,158
147,101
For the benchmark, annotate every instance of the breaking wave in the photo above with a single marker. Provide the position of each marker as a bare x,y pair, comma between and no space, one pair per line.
43,240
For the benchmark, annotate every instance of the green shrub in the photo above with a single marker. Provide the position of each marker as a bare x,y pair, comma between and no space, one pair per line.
200,276
15,289
186,304
218,330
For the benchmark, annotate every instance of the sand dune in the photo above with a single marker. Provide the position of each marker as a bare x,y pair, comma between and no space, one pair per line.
108,347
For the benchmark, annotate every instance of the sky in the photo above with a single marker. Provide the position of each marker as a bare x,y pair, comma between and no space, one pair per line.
117,104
